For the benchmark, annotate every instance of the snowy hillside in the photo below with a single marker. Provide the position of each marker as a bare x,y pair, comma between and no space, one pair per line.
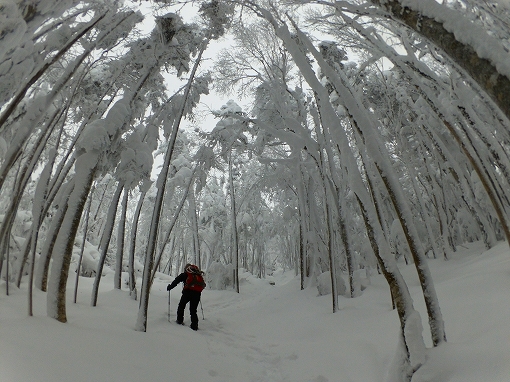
266,333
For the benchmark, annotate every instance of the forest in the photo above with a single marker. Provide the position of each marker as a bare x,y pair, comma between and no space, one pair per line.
372,135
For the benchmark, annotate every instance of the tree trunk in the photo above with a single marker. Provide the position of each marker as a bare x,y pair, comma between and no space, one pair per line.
483,71
132,247
233,222
194,226
435,317
178,210
41,193
332,185
41,277
303,230
117,282
82,247
401,298
56,299
105,241
332,263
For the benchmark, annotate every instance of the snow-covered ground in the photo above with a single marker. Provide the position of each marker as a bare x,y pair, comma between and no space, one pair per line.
266,333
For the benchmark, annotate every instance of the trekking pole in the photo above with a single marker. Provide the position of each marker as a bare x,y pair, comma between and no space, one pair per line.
168,306
203,318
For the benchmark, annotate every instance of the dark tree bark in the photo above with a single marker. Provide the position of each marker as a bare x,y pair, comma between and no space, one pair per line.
41,278
121,229
132,247
233,212
483,71
65,239
82,247
105,241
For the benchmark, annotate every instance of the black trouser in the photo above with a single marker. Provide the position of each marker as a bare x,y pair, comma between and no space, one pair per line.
193,297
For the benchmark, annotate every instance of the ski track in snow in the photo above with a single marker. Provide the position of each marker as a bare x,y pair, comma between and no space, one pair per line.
267,366
224,338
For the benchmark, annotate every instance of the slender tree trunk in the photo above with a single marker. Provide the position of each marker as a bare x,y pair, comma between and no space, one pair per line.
82,247
303,218
332,265
339,202
435,317
233,222
105,241
41,193
56,299
400,296
132,247
48,197
439,202
172,223
194,226
6,250
180,259
120,242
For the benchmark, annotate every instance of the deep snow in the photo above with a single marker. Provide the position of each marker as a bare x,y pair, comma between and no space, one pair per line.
266,333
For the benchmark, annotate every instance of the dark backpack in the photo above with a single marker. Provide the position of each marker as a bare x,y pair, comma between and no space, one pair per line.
195,280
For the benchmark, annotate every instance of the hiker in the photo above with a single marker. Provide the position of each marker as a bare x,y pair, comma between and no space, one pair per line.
193,280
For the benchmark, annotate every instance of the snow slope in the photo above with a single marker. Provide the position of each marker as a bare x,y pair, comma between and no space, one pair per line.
266,333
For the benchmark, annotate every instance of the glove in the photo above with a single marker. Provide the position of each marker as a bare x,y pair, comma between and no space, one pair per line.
168,288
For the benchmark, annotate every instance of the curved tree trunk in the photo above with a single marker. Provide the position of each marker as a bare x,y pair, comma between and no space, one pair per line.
82,247
37,112
24,174
482,70
333,183
105,241
401,298
56,299
171,226
41,193
41,276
